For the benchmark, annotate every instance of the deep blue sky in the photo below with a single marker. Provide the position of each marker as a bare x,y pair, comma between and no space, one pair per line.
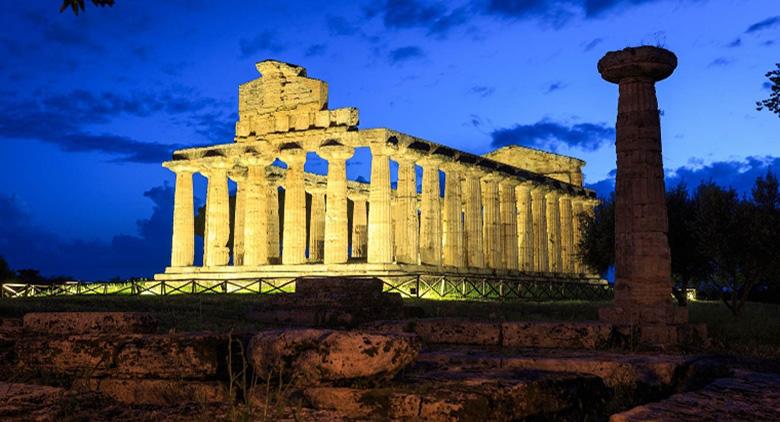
90,105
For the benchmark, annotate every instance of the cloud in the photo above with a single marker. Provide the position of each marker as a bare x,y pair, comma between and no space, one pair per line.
25,245
482,91
547,134
62,120
764,24
264,42
337,25
595,8
736,43
554,86
315,50
405,14
720,62
404,54
591,45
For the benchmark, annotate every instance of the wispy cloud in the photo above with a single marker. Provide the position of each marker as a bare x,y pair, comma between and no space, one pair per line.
404,54
764,24
548,134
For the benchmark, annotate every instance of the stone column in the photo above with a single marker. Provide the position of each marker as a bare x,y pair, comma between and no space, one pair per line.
217,232
256,215
294,237
183,240
475,255
407,236
336,227
576,211
274,252
642,260
380,234
491,227
452,221
539,212
525,227
508,211
430,214
359,228
553,232
238,216
317,227
567,236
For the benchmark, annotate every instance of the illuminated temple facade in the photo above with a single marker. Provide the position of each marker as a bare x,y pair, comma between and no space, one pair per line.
512,212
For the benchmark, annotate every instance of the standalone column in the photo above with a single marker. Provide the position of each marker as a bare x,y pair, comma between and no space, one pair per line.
183,241
359,228
508,210
576,220
274,243
336,227
643,279
553,232
317,227
491,226
406,229
217,232
256,206
452,221
539,212
430,214
567,236
525,228
472,217
380,235
238,217
294,236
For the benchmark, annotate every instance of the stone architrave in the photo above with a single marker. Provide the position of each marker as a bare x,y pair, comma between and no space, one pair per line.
380,230
643,281
359,228
256,211
472,218
183,239
294,237
336,227
491,226
452,219
430,214
539,213
217,231
508,212
407,225
525,228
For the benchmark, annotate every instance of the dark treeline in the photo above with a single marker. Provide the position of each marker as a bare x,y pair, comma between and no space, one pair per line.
28,275
720,242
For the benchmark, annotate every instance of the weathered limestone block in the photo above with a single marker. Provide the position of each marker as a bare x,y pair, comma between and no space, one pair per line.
565,335
157,392
69,323
444,330
174,356
313,356
25,402
556,166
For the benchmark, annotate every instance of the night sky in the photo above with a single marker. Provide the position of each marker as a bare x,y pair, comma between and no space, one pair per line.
91,104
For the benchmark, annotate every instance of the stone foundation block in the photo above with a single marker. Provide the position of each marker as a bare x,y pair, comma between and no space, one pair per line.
70,323
564,335
156,392
458,331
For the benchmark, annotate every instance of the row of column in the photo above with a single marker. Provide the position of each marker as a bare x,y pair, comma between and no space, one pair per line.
483,221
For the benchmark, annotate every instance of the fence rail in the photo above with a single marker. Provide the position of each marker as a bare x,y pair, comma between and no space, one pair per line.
439,286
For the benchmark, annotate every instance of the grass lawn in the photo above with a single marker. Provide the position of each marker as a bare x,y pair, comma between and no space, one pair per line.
755,333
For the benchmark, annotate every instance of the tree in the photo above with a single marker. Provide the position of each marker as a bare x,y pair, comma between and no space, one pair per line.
597,245
773,102
6,273
78,5
689,265
30,276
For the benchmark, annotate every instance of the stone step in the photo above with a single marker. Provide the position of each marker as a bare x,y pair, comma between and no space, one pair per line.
158,392
70,323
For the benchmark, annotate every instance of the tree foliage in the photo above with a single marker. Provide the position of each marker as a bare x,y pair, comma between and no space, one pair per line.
773,102
714,236
78,5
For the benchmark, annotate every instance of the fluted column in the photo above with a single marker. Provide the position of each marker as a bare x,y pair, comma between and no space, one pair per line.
525,227
508,211
491,226
567,236
407,226
256,208
553,232
452,221
238,217
539,213
217,232
576,206
317,227
380,235
294,236
430,214
359,228
475,255
274,243
336,227
183,239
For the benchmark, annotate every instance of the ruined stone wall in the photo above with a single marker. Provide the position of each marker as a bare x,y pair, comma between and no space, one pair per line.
559,167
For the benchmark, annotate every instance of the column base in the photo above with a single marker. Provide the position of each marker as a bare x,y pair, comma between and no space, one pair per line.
662,326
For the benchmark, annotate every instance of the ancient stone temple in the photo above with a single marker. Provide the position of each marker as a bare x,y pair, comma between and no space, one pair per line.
513,211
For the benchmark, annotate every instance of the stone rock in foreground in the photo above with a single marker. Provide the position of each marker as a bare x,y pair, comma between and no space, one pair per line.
70,323
444,330
174,356
311,356
156,391
563,335
745,397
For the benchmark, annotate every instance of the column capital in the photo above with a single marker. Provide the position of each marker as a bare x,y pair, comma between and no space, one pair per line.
215,165
182,166
382,147
431,160
262,160
292,154
452,166
474,172
334,151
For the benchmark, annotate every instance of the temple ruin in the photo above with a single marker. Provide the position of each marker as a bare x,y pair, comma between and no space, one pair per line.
512,212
